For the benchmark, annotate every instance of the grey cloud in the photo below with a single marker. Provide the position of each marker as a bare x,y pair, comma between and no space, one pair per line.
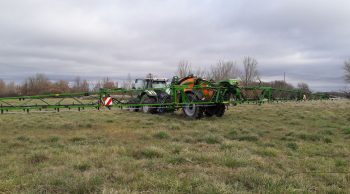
90,38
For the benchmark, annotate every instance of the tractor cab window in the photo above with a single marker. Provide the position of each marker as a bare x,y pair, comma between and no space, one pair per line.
139,84
159,84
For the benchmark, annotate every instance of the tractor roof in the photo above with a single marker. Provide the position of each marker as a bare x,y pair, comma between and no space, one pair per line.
155,79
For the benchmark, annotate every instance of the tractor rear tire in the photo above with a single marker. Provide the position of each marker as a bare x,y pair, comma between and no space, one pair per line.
220,110
148,100
210,111
192,111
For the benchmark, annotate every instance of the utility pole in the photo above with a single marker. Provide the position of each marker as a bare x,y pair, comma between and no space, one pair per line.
284,77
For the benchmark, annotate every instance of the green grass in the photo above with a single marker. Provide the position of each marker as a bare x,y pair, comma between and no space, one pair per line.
347,130
273,148
162,135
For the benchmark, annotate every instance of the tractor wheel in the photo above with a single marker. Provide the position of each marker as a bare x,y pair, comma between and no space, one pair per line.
192,111
134,109
148,100
220,110
164,100
210,111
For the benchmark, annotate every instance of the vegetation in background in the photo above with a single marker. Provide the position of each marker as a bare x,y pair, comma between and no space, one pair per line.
249,76
223,70
347,70
41,84
250,72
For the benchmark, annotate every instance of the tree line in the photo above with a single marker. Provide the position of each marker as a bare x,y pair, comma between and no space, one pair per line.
248,74
223,70
41,84
347,70
347,77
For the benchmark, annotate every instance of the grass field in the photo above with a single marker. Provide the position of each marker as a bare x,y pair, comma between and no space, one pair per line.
277,148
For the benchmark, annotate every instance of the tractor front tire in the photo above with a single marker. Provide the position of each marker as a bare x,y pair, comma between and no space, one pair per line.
148,100
134,109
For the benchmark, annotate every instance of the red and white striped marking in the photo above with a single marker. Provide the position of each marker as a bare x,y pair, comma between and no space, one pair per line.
108,101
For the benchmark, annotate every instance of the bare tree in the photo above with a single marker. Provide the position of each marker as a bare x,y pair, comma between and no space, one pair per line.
77,84
2,87
61,86
200,72
107,83
85,86
347,70
97,86
223,70
12,89
80,86
37,84
304,87
278,84
128,83
129,78
250,72
184,69
347,93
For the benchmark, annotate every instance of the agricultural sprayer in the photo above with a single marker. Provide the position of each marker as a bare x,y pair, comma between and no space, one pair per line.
196,97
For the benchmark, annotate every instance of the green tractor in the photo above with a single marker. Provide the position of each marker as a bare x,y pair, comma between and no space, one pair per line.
196,97
150,91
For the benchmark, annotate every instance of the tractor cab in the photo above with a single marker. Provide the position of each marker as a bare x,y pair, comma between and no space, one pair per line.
150,83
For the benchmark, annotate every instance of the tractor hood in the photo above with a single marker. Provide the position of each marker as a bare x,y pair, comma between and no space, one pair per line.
232,82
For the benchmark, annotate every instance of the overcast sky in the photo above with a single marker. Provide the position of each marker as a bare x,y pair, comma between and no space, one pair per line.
307,39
